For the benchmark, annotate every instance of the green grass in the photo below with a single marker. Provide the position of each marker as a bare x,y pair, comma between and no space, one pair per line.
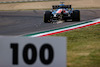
83,47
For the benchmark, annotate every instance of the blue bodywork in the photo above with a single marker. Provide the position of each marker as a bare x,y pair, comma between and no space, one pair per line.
66,9
61,12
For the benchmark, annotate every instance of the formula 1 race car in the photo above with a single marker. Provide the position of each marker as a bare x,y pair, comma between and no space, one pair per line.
61,12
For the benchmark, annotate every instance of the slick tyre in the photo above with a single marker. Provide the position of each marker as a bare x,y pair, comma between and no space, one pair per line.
76,15
47,17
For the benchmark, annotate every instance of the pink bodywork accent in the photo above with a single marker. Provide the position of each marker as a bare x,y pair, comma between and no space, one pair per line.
60,10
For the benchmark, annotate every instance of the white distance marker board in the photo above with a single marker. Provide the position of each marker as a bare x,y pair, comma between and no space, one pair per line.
32,52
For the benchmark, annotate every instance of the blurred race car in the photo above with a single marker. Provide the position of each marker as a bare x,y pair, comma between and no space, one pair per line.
61,12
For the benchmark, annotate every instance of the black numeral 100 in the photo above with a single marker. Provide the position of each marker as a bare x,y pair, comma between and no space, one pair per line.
46,61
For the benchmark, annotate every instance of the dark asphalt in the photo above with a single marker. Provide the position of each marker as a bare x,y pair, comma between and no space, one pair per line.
31,21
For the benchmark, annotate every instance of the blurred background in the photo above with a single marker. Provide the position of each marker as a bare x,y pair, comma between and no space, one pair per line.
46,4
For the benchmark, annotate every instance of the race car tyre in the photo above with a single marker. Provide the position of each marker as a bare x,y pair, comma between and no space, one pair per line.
47,17
76,15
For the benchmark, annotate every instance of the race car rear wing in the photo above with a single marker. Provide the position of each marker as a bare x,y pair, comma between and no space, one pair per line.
64,6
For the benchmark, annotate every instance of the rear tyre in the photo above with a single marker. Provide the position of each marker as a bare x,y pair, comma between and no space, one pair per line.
47,17
76,15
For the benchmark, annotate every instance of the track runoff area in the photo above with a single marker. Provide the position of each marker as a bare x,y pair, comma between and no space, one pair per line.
66,28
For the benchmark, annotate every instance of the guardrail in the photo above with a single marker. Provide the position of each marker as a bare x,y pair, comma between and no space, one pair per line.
22,1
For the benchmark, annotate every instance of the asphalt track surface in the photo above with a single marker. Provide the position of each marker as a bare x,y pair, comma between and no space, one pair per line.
14,23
